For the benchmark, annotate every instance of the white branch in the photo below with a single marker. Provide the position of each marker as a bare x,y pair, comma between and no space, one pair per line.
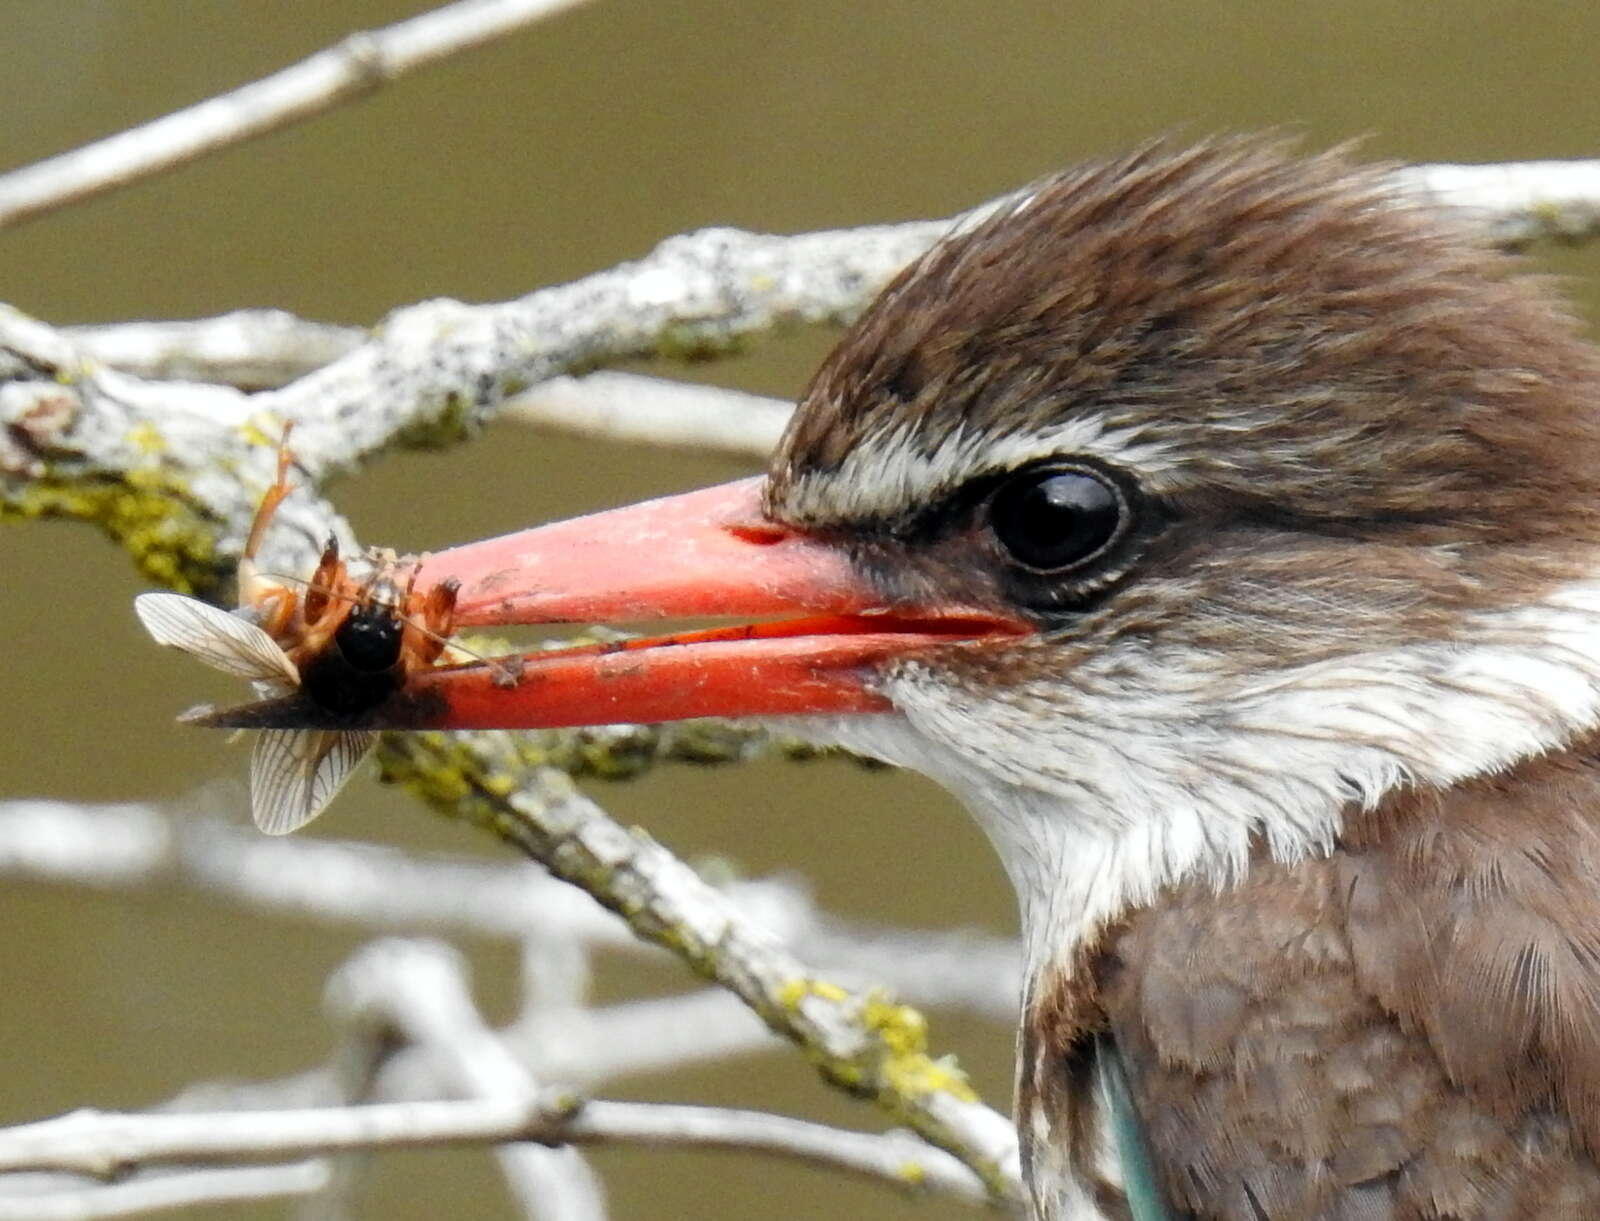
381,888
419,991
174,470
1517,202
264,349
103,1144
353,68
434,373
33,1198
653,411
632,1038
583,1048
706,293
250,349
136,845
447,367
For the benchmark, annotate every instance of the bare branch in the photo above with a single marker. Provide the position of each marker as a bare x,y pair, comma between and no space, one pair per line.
418,990
439,369
264,349
964,969
896,1158
26,1198
358,65
653,411
249,349
873,1046
107,1143
171,470
1518,202
581,1047
382,888
860,1041
636,1037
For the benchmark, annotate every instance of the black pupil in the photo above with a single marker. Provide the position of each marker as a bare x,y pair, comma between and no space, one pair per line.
1050,520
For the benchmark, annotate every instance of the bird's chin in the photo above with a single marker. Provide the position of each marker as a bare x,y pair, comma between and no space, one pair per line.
883,736
886,735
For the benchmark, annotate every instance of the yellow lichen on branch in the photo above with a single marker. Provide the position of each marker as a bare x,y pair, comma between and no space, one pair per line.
149,517
862,1041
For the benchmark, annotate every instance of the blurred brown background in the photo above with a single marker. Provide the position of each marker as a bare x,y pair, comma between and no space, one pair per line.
566,149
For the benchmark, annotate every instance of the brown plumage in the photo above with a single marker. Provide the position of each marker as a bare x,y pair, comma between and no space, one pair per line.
1299,785
1407,1028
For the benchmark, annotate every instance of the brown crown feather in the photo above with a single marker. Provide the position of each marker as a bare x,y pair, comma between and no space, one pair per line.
1292,329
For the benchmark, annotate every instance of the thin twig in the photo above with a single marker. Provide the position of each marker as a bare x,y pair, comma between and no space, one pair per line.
248,349
653,411
383,889
358,65
173,470
265,349
103,1144
1518,202
435,372
30,1200
417,990
583,1048
626,1040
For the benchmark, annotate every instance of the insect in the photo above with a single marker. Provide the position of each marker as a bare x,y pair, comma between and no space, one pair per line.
343,642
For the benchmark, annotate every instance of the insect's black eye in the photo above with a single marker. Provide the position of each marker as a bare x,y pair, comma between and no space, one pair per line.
1052,520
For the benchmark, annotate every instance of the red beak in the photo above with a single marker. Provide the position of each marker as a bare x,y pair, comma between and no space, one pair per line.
704,553
826,632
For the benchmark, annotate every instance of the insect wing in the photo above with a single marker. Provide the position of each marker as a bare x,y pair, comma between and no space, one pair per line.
295,773
223,641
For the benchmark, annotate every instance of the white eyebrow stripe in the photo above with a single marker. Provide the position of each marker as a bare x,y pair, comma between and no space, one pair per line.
891,472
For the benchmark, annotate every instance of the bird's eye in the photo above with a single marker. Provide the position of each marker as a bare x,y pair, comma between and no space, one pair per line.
1052,520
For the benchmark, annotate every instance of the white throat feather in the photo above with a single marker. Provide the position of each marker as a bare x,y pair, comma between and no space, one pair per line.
1143,770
